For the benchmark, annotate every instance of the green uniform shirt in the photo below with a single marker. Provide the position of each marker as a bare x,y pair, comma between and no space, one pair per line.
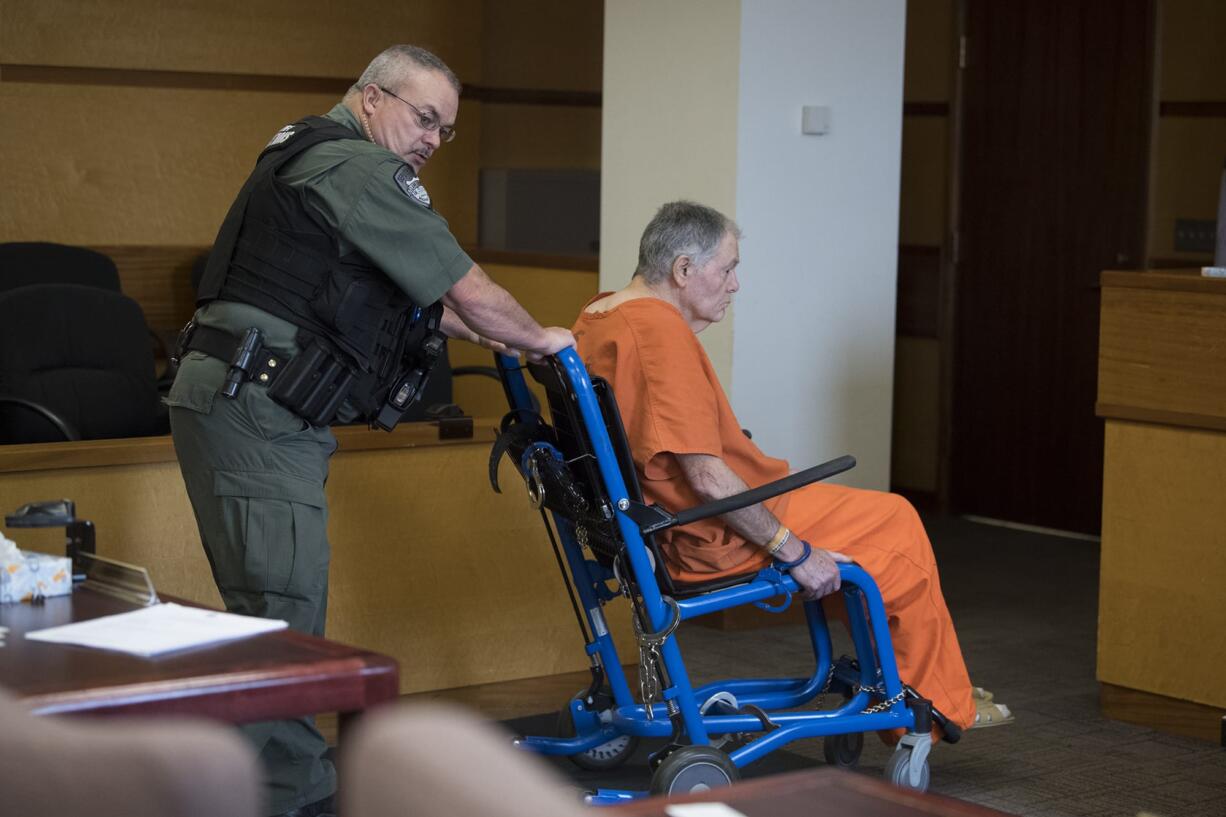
350,185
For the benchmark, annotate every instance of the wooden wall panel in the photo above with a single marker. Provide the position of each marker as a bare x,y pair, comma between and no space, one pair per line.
313,38
918,313
913,465
105,165
540,136
544,44
1188,137
925,181
452,175
930,51
1189,67
922,225
1163,562
1187,168
126,165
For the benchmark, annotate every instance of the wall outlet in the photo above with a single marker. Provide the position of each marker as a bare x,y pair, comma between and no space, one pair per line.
1195,235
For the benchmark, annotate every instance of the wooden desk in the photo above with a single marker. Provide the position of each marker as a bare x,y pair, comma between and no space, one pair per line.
814,793
1162,391
277,675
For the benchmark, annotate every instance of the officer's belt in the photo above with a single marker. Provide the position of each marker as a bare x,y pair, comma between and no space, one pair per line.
222,345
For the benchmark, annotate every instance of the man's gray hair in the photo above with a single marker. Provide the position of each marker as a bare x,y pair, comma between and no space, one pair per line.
396,64
681,228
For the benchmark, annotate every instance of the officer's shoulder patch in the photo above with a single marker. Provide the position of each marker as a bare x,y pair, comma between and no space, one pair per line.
282,135
411,186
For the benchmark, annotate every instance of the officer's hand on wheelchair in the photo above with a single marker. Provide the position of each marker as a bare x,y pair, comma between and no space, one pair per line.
554,340
819,574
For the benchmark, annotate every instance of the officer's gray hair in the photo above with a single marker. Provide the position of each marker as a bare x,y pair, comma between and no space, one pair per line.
681,228
396,64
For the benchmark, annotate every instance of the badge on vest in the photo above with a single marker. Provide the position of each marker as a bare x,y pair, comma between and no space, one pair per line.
281,136
411,186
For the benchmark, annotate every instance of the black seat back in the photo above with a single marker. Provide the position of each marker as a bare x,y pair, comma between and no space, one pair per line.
81,352
23,263
573,439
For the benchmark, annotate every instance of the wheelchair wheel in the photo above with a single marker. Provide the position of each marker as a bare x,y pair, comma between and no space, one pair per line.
898,771
691,769
843,750
608,755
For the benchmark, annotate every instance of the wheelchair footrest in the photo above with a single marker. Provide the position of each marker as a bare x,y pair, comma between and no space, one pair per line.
950,731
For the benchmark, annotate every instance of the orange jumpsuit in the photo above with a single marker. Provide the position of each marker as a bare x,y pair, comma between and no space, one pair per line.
671,402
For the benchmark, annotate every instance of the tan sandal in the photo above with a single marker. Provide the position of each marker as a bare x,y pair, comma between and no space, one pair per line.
989,713
980,694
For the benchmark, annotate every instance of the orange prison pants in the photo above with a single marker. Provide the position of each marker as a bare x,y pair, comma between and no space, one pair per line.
883,533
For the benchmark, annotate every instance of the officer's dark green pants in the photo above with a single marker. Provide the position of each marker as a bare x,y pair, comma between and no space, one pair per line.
255,474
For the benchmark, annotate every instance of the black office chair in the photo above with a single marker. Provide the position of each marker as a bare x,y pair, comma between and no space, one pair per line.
75,364
23,263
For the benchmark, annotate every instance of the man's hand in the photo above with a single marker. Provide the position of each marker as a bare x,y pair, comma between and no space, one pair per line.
554,340
819,574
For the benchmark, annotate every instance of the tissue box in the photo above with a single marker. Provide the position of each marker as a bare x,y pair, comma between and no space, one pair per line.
31,574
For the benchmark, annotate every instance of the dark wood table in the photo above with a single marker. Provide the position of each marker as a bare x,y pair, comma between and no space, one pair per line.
277,675
824,792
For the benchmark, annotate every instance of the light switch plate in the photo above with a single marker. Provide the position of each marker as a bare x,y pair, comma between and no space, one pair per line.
815,120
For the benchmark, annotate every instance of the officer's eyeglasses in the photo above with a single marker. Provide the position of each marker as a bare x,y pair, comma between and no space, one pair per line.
425,119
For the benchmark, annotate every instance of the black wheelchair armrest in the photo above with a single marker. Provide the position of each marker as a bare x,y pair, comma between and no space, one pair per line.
63,426
652,518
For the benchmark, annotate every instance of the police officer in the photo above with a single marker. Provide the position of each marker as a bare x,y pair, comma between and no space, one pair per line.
326,297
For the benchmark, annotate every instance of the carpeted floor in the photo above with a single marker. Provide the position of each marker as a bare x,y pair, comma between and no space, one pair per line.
1025,606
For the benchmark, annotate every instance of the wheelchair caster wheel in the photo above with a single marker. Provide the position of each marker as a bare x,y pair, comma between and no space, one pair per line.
843,750
692,769
898,771
608,755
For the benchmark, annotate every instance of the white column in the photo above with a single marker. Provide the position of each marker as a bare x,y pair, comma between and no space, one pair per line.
813,361
703,100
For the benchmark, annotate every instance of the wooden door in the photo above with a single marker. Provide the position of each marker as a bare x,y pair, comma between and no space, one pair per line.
1055,111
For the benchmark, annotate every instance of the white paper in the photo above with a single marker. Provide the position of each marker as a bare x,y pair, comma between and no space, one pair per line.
702,810
157,629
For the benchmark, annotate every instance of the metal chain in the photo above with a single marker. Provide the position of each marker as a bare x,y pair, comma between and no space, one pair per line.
581,536
650,658
886,704
875,689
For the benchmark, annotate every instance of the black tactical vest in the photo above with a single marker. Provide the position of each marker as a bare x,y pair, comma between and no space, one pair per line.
273,254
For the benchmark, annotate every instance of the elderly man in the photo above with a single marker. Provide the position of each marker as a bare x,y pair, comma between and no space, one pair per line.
688,448
326,296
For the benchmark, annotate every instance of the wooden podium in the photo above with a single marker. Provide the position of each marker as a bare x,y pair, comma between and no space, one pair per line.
1162,599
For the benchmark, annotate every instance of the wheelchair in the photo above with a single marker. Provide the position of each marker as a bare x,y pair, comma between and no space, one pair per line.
579,471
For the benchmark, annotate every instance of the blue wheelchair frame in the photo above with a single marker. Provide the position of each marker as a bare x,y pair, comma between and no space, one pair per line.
760,704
